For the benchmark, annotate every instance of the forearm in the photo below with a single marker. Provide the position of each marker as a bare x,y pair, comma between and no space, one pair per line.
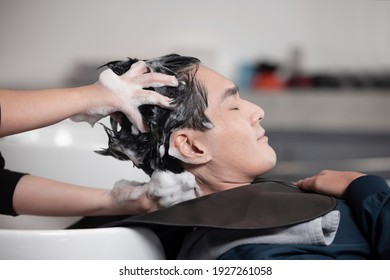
27,110
39,196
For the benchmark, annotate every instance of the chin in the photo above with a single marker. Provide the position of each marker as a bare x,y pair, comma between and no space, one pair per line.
265,167
271,157
270,163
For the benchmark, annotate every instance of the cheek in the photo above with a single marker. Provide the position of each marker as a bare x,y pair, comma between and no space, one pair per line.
232,136
224,144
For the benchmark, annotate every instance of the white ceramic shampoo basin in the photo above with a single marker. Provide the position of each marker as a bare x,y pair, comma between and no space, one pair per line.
64,152
80,244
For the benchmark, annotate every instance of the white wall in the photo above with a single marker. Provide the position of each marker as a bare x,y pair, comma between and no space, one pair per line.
41,42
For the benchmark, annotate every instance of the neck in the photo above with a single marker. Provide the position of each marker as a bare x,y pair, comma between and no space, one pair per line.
211,182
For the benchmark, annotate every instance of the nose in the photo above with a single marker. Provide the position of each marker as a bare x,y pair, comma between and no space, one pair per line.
256,113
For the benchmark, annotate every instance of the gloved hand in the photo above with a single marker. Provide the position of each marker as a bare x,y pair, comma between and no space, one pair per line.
129,195
165,188
126,93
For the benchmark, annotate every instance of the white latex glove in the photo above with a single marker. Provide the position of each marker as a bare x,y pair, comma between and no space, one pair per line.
127,94
128,195
125,190
166,187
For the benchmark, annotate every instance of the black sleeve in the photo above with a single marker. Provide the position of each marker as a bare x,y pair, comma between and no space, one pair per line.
8,181
369,197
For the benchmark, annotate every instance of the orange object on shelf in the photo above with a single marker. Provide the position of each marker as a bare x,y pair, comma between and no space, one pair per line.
267,81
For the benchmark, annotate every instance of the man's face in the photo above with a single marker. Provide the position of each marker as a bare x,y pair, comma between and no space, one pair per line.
237,143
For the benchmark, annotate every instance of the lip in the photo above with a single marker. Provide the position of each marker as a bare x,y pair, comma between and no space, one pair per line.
262,137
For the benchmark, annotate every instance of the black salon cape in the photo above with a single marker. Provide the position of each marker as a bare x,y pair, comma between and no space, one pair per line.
364,232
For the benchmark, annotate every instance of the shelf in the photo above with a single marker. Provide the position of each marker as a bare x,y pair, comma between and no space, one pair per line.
324,110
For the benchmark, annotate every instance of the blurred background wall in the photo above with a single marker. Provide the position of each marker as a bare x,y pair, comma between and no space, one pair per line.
42,42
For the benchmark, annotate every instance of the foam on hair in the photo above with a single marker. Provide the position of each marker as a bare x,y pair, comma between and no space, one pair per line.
148,151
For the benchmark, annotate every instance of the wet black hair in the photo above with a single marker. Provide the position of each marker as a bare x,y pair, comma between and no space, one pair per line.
149,151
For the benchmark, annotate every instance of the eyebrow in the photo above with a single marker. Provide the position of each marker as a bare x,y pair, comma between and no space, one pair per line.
229,92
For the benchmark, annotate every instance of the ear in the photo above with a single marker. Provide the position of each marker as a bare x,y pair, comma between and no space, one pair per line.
187,146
